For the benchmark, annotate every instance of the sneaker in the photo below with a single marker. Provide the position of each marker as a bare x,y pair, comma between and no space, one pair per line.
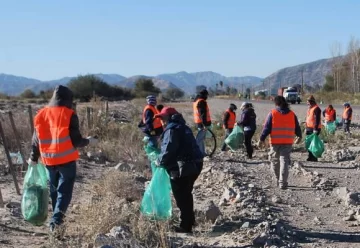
283,186
179,229
57,231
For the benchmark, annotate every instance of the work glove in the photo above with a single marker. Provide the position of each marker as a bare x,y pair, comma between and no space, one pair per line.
92,140
298,140
31,163
152,133
346,121
316,131
157,163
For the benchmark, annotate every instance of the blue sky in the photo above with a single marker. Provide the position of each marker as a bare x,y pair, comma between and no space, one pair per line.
50,39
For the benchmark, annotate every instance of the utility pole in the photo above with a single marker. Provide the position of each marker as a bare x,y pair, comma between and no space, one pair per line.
302,81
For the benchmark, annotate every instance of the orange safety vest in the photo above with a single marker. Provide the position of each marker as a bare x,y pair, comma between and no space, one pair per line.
231,120
52,128
329,114
310,118
345,114
197,117
283,128
156,122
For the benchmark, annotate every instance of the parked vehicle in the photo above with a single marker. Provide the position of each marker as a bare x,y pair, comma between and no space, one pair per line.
290,93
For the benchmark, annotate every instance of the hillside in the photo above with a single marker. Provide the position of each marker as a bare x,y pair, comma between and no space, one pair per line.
188,81
314,74
14,85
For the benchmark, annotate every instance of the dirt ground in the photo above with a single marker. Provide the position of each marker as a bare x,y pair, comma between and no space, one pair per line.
312,216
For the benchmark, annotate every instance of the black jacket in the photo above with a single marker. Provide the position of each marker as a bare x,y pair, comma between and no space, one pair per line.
179,151
62,97
248,119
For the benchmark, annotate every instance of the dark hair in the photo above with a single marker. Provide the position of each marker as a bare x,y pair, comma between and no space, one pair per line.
159,107
281,102
331,106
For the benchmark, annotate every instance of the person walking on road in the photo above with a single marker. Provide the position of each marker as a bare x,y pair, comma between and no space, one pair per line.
183,160
282,125
150,126
54,141
329,114
248,123
346,117
313,122
229,120
202,118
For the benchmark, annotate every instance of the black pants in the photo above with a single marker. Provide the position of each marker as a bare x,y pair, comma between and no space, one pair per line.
346,126
227,133
182,188
247,140
311,157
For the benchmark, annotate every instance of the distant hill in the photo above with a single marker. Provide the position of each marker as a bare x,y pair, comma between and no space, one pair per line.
189,81
314,74
14,85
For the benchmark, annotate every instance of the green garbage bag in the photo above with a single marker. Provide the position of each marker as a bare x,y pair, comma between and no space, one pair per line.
35,198
330,127
156,202
235,139
338,121
208,134
316,146
152,154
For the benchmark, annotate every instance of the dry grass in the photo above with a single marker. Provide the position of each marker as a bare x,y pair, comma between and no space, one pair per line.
119,141
115,202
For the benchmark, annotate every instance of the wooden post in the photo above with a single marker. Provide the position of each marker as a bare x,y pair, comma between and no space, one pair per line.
106,108
12,171
88,117
17,138
31,120
1,200
74,107
106,112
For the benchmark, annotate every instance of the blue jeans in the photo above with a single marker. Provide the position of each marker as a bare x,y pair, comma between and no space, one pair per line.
153,141
200,140
62,179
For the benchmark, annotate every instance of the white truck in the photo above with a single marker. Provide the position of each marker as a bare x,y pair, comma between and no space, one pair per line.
290,94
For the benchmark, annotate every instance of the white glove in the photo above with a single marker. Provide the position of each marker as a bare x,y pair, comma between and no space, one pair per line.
31,163
92,141
316,132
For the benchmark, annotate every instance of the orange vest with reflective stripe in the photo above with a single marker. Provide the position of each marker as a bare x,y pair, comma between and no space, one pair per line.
52,128
283,128
231,120
345,113
329,114
156,121
310,118
197,117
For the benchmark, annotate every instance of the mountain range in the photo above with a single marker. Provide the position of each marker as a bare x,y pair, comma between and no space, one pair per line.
14,85
313,74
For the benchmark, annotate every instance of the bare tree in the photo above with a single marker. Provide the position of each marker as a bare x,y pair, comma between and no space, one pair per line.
353,51
336,53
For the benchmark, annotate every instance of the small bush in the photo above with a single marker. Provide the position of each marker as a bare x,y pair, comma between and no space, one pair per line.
28,94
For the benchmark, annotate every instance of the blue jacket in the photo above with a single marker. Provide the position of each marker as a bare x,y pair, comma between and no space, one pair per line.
179,150
248,120
268,125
